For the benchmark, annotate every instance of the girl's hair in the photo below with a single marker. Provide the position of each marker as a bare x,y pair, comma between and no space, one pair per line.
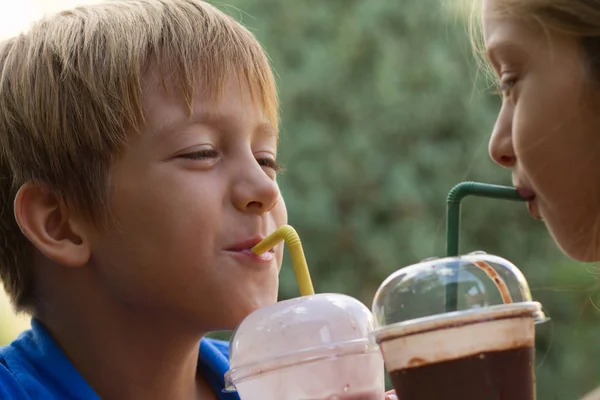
578,18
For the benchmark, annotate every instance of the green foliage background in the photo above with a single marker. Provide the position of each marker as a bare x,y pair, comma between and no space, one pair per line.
383,111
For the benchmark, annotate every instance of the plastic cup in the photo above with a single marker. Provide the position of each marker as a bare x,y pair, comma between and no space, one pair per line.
481,349
308,348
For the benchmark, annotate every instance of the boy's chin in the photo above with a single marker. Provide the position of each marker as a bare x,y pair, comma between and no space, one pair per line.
241,311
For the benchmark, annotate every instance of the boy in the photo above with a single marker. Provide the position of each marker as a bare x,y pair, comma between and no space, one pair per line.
138,145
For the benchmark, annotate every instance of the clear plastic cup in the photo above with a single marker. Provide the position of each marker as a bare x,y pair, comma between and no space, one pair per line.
308,348
458,328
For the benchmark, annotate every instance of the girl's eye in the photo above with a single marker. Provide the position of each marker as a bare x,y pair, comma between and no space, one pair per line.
201,154
506,84
269,163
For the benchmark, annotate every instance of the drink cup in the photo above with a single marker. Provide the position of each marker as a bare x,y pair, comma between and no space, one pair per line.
315,347
487,354
445,332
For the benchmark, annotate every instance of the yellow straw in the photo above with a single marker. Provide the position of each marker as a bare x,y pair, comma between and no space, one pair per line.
290,236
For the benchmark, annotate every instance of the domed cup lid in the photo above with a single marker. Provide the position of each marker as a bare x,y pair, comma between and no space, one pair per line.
449,286
299,330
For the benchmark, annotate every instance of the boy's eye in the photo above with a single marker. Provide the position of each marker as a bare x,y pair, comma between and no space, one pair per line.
201,154
270,163
208,154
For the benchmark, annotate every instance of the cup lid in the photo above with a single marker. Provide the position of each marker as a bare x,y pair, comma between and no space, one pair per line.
299,330
447,286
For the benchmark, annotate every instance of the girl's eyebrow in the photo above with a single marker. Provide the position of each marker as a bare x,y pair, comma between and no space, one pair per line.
502,49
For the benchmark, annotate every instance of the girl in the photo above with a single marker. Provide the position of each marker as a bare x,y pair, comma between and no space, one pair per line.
546,57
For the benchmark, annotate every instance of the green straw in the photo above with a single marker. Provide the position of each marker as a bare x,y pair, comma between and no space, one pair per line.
455,196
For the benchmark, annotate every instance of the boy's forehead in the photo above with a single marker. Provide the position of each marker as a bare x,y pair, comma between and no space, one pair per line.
166,109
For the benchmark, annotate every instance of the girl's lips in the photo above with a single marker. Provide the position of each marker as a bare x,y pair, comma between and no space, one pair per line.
526,193
529,195
533,210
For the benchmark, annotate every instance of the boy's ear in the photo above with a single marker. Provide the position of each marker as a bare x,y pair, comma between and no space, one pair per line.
50,226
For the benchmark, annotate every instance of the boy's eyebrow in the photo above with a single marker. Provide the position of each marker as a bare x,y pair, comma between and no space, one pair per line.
220,121
266,129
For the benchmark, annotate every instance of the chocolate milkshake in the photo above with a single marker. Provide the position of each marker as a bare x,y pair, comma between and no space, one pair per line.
477,356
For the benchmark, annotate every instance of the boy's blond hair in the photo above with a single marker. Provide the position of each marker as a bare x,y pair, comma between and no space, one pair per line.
71,92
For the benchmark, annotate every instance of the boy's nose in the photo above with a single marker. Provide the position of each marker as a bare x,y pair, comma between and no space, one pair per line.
501,147
255,191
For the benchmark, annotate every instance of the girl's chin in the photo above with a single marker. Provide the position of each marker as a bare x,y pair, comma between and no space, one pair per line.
586,250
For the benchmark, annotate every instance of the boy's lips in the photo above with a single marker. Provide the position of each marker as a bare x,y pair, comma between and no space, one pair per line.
246,244
244,249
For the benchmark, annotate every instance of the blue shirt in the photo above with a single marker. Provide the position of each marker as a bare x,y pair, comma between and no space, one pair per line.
33,367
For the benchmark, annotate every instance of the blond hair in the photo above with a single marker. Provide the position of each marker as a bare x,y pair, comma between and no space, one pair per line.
71,91
577,18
